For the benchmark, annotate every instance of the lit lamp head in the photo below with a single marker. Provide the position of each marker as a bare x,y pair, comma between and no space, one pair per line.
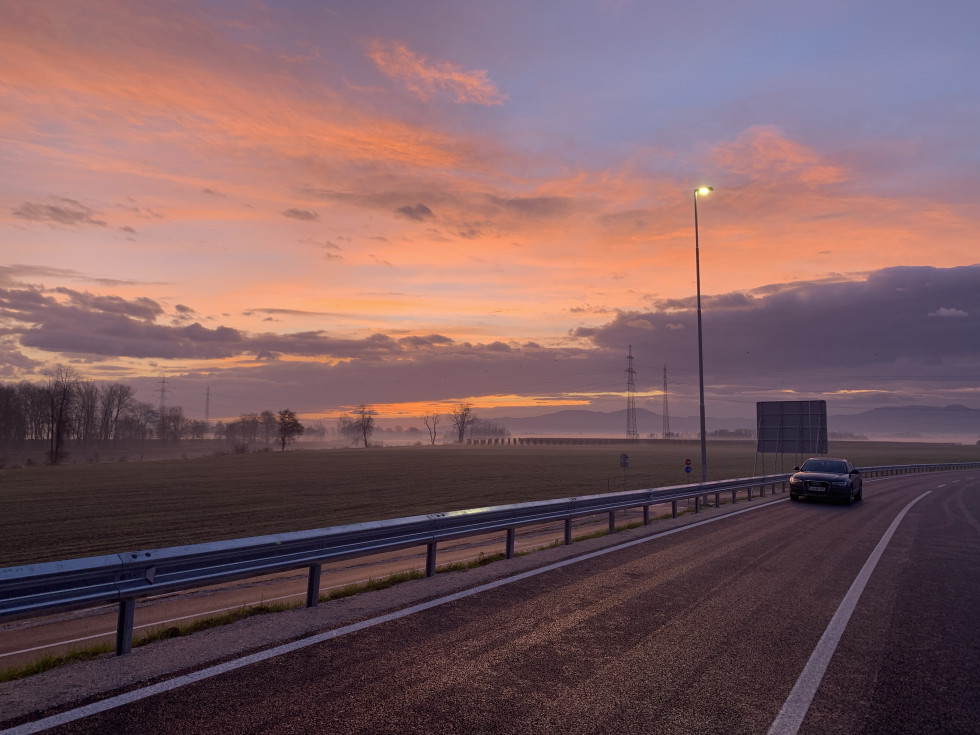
703,190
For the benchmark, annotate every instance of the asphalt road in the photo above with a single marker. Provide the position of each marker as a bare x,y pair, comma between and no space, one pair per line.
24,641
706,630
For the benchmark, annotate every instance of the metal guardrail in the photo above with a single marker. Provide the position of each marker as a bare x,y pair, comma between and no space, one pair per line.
35,589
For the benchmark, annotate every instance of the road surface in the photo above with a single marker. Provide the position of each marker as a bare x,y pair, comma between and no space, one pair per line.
708,629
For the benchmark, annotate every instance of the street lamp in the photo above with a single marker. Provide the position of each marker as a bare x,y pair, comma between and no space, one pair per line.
697,265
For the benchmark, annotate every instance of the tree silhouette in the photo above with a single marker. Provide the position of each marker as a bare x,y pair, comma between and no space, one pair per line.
288,427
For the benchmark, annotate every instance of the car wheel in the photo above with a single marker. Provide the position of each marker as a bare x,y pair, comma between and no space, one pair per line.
794,496
860,495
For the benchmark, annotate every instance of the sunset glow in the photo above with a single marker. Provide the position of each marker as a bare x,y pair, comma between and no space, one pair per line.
320,205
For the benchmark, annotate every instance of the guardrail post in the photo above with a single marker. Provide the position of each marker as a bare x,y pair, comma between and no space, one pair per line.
749,491
612,521
673,509
124,627
717,500
430,559
511,534
313,586
697,503
734,496
646,515
568,531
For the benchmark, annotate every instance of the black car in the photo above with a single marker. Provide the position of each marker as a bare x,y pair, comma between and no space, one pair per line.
821,477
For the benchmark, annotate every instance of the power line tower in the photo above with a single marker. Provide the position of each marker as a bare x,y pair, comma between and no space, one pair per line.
162,418
163,394
666,409
631,432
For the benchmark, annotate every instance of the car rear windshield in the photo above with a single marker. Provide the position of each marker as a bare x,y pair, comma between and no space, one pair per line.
824,465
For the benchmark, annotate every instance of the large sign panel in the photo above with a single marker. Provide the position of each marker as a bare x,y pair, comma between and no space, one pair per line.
791,427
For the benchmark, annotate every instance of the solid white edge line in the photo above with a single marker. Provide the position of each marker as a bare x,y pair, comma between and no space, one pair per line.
797,704
109,635
179,681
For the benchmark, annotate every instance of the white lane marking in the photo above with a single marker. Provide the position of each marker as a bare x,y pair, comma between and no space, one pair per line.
939,486
112,633
797,704
179,681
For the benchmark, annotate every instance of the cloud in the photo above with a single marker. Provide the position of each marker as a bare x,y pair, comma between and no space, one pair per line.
304,215
818,327
417,213
763,153
543,206
949,313
61,211
427,78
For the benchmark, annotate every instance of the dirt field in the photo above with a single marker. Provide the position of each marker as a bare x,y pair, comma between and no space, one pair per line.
50,513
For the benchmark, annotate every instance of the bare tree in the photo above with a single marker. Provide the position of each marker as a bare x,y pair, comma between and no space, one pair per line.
357,426
34,403
116,398
198,429
461,416
431,420
143,416
488,429
13,418
270,425
174,423
250,423
61,393
86,412
288,426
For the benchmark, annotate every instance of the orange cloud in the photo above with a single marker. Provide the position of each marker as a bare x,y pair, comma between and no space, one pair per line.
763,154
125,87
426,78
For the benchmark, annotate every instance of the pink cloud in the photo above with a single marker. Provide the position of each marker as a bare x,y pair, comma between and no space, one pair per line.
426,78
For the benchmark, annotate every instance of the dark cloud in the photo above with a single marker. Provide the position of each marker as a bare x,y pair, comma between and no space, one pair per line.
418,213
303,215
900,333
428,341
140,308
884,333
60,211
535,206
13,274
292,312
214,193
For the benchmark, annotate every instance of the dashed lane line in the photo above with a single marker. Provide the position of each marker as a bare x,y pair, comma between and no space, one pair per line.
798,702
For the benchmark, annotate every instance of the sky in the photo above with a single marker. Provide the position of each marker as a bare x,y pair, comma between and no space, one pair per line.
408,205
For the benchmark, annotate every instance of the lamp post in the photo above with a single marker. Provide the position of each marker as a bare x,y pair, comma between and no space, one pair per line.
697,266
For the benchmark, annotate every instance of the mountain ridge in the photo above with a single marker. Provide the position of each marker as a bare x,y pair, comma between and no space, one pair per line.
898,422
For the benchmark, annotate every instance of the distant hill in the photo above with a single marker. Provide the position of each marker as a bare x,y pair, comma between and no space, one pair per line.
579,422
909,422
893,422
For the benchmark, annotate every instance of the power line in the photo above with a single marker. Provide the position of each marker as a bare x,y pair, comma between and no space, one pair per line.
631,432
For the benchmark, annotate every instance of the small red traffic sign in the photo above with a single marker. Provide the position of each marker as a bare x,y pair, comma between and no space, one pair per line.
687,462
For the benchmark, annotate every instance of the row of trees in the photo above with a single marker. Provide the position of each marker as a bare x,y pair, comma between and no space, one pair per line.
68,410
358,426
